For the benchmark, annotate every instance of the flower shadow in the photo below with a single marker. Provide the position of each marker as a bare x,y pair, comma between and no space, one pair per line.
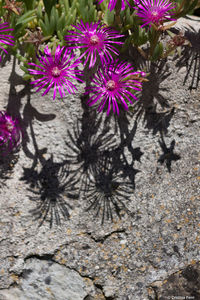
153,107
54,188
49,181
108,192
86,144
168,153
106,177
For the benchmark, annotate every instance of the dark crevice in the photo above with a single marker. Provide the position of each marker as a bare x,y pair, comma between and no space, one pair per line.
155,293
83,276
50,257
88,297
100,287
12,285
41,257
102,239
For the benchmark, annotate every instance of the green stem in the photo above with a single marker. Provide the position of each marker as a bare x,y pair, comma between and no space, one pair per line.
118,21
180,8
156,35
141,51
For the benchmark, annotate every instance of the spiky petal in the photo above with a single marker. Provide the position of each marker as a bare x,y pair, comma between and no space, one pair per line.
154,11
10,134
96,39
112,4
5,39
112,84
56,71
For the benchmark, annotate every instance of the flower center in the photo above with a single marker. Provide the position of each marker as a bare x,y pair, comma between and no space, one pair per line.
155,16
94,39
154,13
55,72
111,85
9,126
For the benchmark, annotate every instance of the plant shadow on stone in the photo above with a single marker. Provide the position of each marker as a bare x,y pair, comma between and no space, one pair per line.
108,191
52,180
87,142
153,106
51,185
6,167
190,58
168,153
105,177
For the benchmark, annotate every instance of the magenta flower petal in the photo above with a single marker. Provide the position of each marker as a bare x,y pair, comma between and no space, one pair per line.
111,85
10,134
154,11
96,39
56,71
112,3
5,39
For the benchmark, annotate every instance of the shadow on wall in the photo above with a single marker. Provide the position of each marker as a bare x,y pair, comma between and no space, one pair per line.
153,107
168,153
97,167
191,58
105,177
53,188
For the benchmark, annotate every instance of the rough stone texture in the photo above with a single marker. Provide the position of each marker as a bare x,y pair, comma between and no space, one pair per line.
44,279
146,161
184,284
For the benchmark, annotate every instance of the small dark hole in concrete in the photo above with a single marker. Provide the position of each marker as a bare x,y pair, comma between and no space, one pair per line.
47,280
26,273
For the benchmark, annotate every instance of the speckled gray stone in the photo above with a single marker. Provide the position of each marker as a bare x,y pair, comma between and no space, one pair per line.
151,156
44,279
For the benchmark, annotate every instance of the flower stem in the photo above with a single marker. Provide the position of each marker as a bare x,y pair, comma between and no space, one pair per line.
153,43
118,21
180,8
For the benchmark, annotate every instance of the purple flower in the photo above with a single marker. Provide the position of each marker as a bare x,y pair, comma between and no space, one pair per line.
56,71
111,85
112,3
5,38
136,2
96,39
154,11
10,133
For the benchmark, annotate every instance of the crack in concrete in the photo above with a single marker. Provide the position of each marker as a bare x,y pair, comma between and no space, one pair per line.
104,238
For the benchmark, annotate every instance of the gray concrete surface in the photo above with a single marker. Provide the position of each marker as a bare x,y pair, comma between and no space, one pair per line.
144,166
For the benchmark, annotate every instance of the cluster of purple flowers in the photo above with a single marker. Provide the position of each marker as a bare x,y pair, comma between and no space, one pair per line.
114,81
9,130
5,39
111,84
10,134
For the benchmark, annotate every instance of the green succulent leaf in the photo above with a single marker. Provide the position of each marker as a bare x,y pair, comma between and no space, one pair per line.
48,4
29,4
158,51
27,17
27,77
109,17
